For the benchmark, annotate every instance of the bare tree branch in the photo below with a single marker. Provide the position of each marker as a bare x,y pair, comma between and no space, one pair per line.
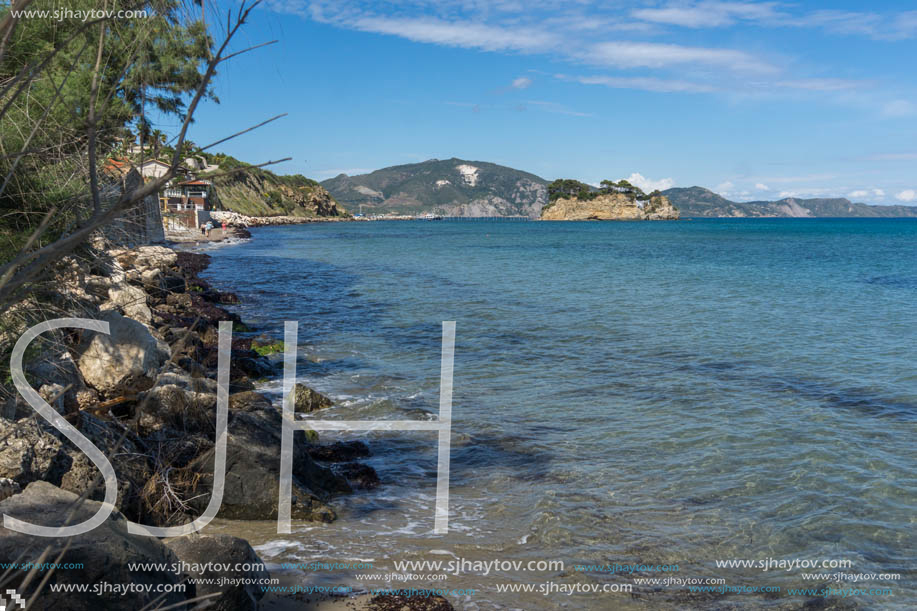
244,131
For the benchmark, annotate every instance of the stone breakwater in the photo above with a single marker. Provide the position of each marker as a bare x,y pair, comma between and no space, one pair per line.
145,395
234,219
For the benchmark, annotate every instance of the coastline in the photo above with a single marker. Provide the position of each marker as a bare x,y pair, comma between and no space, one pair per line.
158,400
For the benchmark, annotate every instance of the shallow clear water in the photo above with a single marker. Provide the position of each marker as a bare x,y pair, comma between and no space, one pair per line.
624,392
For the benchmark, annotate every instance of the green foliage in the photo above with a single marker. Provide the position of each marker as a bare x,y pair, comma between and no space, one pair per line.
574,189
148,65
266,349
567,188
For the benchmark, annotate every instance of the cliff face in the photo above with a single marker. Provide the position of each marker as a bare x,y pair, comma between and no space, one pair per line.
257,192
610,207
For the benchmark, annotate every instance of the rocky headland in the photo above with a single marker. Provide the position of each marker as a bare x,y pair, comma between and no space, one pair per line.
146,396
610,207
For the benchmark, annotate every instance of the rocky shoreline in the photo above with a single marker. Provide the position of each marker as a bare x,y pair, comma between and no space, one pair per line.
145,395
236,220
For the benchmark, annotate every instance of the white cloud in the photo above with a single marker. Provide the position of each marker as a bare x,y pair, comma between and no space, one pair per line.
899,108
820,84
713,14
646,84
724,188
470,35
659,55
809,192
762,187
556,108
521,83
908,195
639,180
878,192
706,14
858,193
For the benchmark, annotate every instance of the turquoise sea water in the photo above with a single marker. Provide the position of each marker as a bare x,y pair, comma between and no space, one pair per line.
657,393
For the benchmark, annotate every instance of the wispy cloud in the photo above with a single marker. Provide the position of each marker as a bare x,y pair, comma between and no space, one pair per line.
470,35
707,14
644,83
556,108
660,55
623,39
908,195
896,25
821,84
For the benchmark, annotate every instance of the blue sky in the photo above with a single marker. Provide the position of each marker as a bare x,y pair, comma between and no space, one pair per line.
755,100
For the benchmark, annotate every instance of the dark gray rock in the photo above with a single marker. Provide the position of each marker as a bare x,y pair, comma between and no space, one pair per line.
253,468
339,451
206,551
359,475
104,552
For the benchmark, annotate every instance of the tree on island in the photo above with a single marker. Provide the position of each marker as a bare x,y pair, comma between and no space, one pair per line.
574,189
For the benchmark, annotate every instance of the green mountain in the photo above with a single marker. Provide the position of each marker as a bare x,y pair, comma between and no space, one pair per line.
451,187
700,202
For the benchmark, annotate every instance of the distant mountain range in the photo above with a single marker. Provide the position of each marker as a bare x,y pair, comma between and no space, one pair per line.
457,187
451,187
701,202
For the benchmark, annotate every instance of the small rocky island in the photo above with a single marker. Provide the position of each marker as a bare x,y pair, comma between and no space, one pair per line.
571,200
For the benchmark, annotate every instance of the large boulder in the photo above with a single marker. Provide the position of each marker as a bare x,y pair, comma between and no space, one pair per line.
253,468
308,400
222,557
145,258
104,553
131,300
125,361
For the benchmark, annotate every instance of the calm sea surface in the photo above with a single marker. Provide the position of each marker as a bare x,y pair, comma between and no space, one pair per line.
655,393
